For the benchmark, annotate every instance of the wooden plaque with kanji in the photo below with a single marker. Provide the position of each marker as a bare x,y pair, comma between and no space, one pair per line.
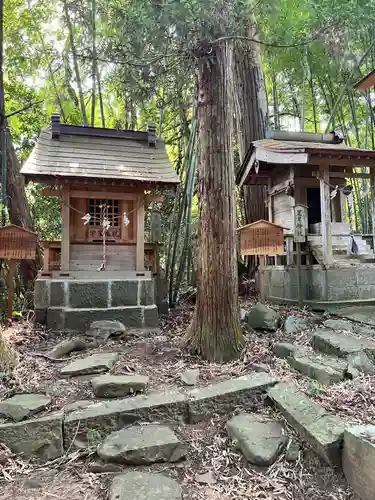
17,243
261,238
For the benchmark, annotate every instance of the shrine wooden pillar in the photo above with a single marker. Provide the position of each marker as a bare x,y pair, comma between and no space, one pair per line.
325,208
65,230
140,248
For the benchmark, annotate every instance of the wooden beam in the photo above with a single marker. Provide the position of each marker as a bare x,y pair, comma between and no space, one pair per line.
279,187
345,175
333,161
92,194
247,169
372,183
46,255
280,157
65,236
342,205
140,249
325,208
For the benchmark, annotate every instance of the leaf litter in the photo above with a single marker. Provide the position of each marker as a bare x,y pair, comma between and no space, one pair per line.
211,454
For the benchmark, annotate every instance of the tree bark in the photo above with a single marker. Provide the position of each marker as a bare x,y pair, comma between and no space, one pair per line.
215,332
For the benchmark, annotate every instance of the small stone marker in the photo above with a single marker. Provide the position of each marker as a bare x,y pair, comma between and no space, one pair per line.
321,429
261,317
143,486
41,438
117,386
260,441
358,459
142,445
190,377
23,406
97,363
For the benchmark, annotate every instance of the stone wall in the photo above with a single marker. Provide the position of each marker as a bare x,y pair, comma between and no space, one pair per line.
319,284
72,305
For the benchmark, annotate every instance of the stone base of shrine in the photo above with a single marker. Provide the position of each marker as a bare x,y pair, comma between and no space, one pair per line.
72,305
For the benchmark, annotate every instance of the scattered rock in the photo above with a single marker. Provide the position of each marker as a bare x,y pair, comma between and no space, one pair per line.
325,369
260,442
117,386
103,330
260,367
144,486
206,478
292,451
22,406
322,430
295,324
225,397
358,458
190,377
339,324
98,468
359,362
261,317
283,350
341,344
243,314
142,445
40,438
97,363
66,347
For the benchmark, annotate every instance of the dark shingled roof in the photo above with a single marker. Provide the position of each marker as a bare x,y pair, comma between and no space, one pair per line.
89,153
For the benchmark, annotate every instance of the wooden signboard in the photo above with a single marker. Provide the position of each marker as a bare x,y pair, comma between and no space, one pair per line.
17,243
261,238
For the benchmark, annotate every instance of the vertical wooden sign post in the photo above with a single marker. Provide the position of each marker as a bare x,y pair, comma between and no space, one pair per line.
16,243
300,233
261,238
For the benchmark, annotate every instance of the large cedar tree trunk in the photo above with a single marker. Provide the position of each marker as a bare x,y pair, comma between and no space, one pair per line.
250,99
215,332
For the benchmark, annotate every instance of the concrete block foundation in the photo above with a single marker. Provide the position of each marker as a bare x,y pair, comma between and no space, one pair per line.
72,305
342,284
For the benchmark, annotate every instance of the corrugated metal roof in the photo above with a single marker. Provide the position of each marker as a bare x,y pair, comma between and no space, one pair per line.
77,156
311,147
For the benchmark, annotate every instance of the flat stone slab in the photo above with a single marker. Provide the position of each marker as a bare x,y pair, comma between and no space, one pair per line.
284,350
117,386
359,362
260,442
103,330
339,324
225,397
358,459
22,406
97,363
113,415
325,369
295,324
143,486
142,445
322,430
41,438
341,344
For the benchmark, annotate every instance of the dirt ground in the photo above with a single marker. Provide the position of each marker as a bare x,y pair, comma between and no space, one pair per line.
160,357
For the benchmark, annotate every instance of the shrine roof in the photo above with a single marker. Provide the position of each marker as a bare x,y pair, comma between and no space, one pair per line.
273,151
261,222
67,152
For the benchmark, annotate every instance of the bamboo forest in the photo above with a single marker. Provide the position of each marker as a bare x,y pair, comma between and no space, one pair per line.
187,249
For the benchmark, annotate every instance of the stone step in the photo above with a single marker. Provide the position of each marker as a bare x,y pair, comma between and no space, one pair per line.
22,406
341,344
260,441
136,485
142,445
323,431
97,363
194,406
118,386
325,369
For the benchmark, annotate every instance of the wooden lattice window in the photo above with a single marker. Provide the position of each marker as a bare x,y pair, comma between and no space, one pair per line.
111,208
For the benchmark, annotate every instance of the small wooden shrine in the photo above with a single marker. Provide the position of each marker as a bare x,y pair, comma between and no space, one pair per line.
307,189
103,178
